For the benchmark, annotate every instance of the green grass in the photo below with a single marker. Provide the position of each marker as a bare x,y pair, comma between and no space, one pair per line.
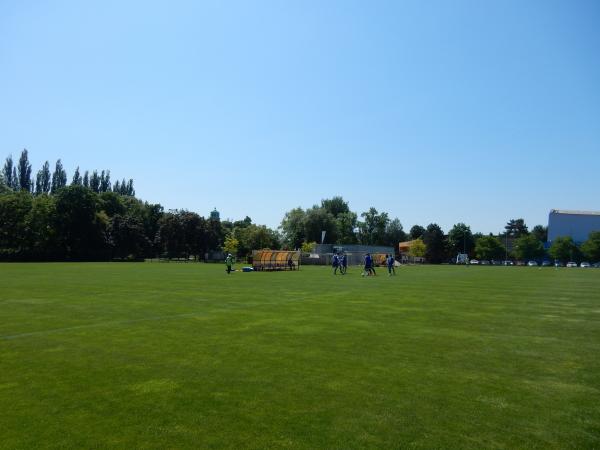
182,356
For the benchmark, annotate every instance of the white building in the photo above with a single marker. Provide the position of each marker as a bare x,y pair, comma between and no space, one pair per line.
577,224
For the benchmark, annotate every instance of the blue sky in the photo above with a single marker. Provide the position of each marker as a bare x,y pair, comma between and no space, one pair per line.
439,111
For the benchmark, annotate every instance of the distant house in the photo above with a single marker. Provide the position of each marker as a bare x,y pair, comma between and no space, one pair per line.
576,224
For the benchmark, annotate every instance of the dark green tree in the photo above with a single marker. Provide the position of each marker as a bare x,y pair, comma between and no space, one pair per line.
516,228
292,228
435,244
127,237
86,179
346,223
59,178
24,172
77,180
41,225
105,181
9,173
335,206
489,247
460,240
564,249
591,247
416,232
318,220
43,181
95,181
528,247
14,209
81,230
372,228
540,232
394,233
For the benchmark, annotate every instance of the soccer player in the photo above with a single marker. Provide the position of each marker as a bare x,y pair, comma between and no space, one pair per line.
344,264
369,270
335,263
390,264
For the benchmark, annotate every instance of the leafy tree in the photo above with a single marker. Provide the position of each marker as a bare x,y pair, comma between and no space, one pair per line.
86,179
77,181
9,173
372,229
516,228
434,241
346,223
43,181
24,172
14,208
242,223
127,237
563,249
394,233
95,182
3,187
417,248
528,247
59,178
317,220
41,226
591,247
460,240
104,181
81,231
292,228
308,247
170,235
335,206
489,247
416,232
230,245
540,232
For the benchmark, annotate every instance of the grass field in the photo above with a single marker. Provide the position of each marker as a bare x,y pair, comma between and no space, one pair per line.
182,356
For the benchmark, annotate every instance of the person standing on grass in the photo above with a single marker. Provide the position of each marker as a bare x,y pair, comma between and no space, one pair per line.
368,265
390,264
335,263
229,263
344,264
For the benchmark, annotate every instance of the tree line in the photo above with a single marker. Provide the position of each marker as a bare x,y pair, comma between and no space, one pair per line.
46,218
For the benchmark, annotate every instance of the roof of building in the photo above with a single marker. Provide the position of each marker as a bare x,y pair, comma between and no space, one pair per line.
573,212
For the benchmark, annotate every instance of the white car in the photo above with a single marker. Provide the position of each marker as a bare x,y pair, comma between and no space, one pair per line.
532,264
571,264
474,261
585,265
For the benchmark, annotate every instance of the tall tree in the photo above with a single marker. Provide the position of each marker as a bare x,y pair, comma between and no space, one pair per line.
372,229
318,220
24,171
528,247
95,182
516,228
394,233
460,239
540,232
591,247
104,181
59,177
43,182
86,179
292,228
8,171
563,249
77,181
434,241
416,232
489,247
130,190
335,206
346,223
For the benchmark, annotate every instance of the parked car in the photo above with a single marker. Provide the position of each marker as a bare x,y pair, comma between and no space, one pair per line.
571,264
474,261
585,265
495,262
546,263
597,265
558,264
507,263
484,263
532,263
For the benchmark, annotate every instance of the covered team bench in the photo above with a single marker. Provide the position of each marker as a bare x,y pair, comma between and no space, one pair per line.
275,260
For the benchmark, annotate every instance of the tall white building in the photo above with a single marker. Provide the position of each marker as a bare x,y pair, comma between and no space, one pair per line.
577,224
